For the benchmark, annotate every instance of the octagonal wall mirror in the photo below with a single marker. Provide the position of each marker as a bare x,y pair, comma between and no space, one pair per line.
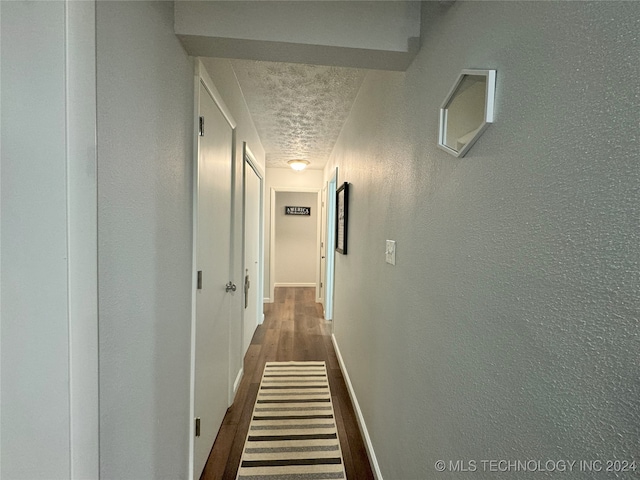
467,111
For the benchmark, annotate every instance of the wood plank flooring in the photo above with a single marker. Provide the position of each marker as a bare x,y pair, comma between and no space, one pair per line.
294,329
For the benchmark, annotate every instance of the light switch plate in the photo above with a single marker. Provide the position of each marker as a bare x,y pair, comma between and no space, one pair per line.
391,252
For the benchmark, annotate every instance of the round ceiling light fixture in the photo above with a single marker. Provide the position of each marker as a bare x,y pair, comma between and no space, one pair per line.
298,164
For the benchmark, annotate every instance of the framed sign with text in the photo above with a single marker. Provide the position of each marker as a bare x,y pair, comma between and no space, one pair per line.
342,217
306,211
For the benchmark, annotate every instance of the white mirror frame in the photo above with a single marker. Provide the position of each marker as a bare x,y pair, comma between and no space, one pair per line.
488,111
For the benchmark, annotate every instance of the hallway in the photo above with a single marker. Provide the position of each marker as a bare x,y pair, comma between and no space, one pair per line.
506,328
294,329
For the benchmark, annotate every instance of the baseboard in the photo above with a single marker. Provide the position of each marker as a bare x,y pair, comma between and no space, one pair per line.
236,384
356,406
295,285
267,300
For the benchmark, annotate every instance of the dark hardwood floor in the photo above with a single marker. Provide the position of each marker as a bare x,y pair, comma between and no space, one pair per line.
294,329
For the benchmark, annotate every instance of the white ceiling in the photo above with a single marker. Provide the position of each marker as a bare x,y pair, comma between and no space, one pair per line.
298,109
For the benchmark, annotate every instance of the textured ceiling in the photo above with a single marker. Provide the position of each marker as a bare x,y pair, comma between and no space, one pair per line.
298,110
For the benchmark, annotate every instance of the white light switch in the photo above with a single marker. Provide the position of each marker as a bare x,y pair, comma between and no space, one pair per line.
391,252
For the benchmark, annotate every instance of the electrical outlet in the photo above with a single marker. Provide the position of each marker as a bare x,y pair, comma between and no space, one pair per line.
391,252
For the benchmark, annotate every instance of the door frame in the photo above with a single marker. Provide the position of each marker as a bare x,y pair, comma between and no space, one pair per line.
200,77
82,240
248,159
323,246
272,242
332,185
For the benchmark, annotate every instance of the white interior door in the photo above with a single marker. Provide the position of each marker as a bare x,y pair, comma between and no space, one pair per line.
323,245
252,234
211,369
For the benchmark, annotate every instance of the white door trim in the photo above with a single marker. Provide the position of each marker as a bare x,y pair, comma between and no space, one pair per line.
82,239
272,246
323,238
331,247
250,159
200,77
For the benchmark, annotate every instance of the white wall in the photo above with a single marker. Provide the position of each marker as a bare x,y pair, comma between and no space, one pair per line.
362,34
344,24
35,343
282,178
508,328
296,240
224,78
145,136
49,406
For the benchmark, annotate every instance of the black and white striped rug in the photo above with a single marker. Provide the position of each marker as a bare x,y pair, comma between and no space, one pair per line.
293,434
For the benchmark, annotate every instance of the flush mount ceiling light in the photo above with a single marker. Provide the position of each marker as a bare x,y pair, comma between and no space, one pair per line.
299,164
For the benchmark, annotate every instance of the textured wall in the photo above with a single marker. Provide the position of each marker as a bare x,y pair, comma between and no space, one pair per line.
509,327
145,125
296,239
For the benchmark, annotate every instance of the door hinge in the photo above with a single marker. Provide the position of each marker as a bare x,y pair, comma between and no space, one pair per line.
201,127
199,279
321,284
197,426
247,286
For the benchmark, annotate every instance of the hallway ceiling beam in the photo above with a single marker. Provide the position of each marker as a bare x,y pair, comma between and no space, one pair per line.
381,35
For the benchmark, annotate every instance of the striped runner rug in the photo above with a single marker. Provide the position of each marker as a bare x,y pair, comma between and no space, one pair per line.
292,434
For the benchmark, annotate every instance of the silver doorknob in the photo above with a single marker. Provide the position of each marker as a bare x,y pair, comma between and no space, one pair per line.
230,287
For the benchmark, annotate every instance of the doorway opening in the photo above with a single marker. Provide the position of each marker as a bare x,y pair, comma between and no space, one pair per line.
295,239
331,246
253,246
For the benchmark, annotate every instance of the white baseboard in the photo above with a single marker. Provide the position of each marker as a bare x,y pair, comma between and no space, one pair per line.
236,384
356,406
267,300
295,285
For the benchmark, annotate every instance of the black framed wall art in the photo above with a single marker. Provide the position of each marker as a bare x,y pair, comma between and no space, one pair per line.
342,217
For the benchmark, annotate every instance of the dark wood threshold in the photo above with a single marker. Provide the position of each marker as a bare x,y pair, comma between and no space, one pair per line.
294,329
